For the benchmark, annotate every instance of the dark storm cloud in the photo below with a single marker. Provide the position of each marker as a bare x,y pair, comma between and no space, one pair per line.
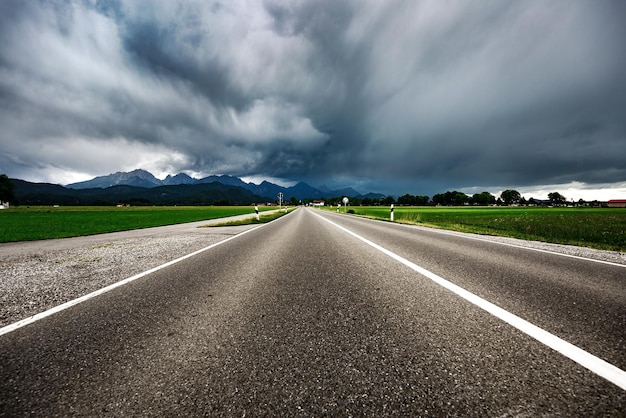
395,95
523,93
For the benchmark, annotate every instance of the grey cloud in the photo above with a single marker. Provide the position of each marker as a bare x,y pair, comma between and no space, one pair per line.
381,94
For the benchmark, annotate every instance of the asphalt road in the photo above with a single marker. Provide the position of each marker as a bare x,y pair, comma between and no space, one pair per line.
301,318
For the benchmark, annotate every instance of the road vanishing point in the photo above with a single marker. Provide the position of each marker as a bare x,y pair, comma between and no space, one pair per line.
323,314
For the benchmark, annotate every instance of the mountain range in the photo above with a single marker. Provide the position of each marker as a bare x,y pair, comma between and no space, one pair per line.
141,187
143,178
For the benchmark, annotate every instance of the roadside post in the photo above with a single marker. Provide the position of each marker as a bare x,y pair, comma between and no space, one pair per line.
280,201
392,212
256,211
345,204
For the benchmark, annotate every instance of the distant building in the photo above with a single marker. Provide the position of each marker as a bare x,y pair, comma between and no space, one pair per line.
4,205
318,203
617,203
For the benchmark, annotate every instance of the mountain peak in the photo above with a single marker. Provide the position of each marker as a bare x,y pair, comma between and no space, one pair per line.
137,171
138,177
180,178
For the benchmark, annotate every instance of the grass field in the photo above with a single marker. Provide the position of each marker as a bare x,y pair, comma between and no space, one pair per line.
601,228
264,218
34,223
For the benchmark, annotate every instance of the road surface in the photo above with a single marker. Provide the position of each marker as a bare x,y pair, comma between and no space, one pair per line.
322,314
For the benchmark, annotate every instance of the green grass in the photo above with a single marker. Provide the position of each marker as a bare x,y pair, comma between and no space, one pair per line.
35,223
600,228
252,220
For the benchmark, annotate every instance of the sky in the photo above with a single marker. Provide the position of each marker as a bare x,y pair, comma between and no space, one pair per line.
394,97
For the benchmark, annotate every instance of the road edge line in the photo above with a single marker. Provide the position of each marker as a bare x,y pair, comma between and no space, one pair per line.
592,363
34,318
478,237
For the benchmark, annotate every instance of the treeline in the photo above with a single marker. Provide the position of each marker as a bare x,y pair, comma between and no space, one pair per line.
456,198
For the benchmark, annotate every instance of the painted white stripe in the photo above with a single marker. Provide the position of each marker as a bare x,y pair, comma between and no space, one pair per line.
595,364
523,247
540,250
66,305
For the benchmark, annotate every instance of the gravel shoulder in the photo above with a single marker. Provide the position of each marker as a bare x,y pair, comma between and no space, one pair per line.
39,275
36,276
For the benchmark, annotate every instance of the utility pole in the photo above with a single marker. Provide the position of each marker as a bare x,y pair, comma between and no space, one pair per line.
280,200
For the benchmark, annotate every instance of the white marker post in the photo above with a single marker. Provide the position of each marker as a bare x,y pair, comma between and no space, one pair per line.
256,211
345,204
392,212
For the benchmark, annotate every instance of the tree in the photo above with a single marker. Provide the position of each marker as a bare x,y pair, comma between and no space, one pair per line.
421,200
6,189
411,200
407,199
453,198
460,199
510,197
556,198
387,200
483,199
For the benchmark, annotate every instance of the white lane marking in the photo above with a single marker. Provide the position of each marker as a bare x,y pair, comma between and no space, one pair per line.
523,247
595,364
66,305
541,250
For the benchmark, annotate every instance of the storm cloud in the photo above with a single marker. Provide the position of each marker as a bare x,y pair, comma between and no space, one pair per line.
396,97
